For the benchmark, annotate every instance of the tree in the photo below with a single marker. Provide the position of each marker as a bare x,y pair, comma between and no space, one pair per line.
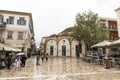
87,28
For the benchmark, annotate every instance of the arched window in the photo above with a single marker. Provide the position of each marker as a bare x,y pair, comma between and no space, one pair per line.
63,42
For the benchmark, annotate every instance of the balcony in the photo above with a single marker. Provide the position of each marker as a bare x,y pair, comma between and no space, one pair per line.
2,25
113,28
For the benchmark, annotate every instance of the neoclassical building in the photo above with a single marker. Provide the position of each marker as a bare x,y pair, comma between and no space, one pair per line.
62,44
16,29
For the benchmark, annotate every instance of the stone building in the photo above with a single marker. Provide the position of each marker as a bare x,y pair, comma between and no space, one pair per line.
16,29
61,44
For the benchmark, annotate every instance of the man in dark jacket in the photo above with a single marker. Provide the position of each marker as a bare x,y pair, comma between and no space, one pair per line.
23,60
9,60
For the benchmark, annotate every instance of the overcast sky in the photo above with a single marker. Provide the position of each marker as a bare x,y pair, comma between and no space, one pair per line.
53,16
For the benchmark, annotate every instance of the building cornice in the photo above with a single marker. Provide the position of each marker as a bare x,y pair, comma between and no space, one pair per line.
14,12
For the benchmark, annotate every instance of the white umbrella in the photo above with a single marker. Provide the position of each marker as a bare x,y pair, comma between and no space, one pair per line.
115,43
21,53
102,44
105,43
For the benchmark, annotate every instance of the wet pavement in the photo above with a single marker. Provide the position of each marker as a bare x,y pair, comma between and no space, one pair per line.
61,69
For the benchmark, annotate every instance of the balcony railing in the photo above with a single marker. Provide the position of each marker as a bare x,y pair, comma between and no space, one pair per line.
2,25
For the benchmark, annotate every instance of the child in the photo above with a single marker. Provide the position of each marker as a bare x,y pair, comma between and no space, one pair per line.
18,63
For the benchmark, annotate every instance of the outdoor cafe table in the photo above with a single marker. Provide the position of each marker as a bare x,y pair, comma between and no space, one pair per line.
114,61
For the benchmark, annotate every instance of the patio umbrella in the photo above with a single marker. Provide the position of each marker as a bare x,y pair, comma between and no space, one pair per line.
115,43
20,53
102,44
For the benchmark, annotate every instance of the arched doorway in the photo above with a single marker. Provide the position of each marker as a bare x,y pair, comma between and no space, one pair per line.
51,48
63,48
75,48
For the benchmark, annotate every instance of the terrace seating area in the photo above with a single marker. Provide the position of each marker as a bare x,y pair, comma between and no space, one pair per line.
114,60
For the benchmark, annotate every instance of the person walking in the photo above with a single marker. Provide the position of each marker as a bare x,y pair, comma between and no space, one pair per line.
9,60
38,58
107,63
42,56
46,56
18,63
23,60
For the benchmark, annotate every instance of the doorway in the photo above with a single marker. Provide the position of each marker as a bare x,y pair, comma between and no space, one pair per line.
77,50
63,50
51,50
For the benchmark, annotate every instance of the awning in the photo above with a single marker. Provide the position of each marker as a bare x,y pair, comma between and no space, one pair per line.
8,47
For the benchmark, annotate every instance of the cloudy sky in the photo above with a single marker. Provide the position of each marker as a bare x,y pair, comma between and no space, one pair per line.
53,16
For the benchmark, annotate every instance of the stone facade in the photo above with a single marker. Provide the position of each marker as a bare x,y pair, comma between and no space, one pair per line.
62,45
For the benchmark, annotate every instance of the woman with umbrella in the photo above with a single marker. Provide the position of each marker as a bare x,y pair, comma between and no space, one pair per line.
23,59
